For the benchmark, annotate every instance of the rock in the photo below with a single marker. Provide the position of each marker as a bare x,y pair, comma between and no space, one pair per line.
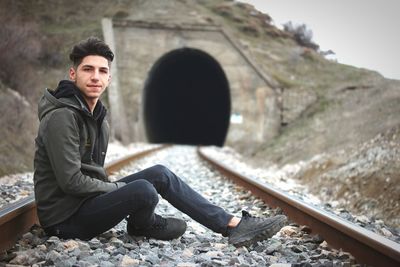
94,243
128,261
116,242
289,230
386,232
106,264
214,254
70,245
305,229
53,256
20,259
53,239
318,239
273,246
297,249
220,245
187,253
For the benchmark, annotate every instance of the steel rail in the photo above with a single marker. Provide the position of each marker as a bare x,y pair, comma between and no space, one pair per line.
366,246
18,217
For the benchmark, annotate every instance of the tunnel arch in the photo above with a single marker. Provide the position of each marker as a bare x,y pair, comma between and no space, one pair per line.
186,99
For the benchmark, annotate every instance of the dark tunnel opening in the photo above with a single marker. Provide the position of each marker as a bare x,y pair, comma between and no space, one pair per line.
186,99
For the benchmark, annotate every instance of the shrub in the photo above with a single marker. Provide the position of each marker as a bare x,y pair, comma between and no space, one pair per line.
301,33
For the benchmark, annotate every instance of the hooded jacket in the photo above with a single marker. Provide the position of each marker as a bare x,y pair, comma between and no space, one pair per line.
71,146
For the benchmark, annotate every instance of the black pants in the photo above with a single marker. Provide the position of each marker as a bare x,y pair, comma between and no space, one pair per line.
137,201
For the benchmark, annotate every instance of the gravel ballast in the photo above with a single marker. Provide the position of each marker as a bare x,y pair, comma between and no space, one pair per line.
199,246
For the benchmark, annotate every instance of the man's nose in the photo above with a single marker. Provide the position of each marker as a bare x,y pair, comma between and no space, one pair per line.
95,75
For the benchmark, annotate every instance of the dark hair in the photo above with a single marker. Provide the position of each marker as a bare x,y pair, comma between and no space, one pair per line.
90,46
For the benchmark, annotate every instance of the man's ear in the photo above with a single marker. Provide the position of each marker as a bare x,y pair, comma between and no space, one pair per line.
72,74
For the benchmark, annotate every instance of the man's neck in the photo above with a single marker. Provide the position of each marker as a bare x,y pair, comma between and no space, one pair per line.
91,104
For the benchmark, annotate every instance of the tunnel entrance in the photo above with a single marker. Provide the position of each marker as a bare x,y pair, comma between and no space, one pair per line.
186,99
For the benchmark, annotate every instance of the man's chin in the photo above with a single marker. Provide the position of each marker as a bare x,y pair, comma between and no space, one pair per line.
93,95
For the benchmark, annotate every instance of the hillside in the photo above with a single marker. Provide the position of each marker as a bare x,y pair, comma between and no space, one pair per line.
340,122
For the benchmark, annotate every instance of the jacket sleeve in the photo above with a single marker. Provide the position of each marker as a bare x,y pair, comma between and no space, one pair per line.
61,140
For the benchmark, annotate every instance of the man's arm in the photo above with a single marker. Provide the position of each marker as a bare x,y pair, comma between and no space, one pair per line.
61,140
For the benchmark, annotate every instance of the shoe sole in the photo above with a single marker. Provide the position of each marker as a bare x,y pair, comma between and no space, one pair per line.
268,232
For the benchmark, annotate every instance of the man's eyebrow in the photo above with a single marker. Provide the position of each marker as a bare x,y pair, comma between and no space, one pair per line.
91,66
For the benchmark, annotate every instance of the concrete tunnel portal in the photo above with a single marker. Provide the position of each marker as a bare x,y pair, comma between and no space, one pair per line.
186,99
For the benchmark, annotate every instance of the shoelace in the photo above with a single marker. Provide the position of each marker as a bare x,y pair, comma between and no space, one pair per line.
246,215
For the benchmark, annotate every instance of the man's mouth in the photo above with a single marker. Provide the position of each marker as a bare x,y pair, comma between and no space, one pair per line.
94,86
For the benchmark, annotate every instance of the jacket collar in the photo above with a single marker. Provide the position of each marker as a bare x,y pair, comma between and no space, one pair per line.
68,89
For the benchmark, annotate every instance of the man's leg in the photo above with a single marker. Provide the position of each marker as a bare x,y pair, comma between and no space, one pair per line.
100,213
183,197
247,231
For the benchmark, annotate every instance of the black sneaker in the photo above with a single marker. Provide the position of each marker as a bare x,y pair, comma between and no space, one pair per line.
252,229
162,229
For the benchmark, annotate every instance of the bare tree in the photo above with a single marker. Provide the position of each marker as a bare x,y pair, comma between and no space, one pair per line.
20,49
302,34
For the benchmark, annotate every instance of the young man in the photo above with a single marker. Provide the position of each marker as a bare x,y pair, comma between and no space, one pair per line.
73,195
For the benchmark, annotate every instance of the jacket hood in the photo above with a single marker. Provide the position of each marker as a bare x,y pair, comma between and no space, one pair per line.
67,95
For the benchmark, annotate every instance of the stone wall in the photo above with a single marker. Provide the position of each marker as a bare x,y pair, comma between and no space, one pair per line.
138,45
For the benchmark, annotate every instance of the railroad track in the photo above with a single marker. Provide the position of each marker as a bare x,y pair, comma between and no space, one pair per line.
367,247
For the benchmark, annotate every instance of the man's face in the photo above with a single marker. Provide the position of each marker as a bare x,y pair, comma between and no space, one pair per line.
92,77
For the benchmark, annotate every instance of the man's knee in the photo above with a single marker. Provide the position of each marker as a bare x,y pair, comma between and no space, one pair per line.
160,169
143,191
